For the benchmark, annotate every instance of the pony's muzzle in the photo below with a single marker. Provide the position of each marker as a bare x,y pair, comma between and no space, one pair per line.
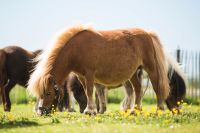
43,111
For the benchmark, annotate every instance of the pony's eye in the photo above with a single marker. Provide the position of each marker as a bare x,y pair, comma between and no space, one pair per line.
48,93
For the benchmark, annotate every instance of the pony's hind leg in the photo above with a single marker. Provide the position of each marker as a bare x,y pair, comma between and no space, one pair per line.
136,80
101,98
65,99
5,94
128,101
68,101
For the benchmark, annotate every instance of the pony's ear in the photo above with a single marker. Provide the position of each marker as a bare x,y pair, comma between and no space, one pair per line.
37,52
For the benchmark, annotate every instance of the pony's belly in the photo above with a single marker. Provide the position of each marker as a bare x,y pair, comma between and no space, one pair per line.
116,71
113,79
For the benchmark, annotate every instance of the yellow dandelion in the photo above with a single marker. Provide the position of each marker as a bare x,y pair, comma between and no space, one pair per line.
137,112
126,114
122,113
174,111
146,114
10,117
180,111
159,112
178,103
128,110
143,108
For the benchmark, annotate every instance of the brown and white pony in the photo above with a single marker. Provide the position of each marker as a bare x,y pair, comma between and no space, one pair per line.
177,90
177,83
109,58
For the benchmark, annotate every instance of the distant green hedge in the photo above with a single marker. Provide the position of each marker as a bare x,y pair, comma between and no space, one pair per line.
19,95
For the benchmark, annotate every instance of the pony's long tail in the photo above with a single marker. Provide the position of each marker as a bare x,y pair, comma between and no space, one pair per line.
163,84
3,73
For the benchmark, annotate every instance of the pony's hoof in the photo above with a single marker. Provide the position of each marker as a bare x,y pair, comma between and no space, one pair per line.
102,110
71,110
132,112
135,112
125,108
90,111
7,109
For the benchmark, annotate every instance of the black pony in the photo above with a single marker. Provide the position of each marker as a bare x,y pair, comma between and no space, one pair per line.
15,68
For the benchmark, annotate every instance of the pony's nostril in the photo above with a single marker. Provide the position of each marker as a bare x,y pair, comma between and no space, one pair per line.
39,111
42,111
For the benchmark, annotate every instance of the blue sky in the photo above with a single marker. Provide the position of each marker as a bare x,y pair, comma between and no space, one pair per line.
32,23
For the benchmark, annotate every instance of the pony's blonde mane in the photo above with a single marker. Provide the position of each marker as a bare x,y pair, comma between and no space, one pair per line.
41,74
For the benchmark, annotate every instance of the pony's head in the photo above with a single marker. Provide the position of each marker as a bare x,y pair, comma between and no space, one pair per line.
177,82
177,91
49,99
48,93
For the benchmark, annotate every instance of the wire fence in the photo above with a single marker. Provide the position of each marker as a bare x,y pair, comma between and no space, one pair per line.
190,61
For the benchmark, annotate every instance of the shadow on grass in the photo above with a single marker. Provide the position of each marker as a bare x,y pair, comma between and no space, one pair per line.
25,123
18,124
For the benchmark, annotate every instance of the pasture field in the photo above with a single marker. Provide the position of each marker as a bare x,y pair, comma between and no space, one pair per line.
22,119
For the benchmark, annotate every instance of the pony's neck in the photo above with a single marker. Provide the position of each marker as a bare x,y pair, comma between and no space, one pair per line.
60,68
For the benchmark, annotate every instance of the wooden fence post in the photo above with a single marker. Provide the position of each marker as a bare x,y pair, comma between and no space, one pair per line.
178,55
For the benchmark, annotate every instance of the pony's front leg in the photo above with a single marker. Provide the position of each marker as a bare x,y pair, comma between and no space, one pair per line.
155,83
91,108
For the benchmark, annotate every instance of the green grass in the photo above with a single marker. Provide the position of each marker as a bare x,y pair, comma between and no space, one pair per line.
22,119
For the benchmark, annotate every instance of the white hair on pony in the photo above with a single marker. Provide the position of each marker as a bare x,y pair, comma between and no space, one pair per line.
39,78
175,66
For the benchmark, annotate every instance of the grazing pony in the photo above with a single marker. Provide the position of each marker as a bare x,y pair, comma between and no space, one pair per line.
177,83
177,93
15,68
109,58
177,90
